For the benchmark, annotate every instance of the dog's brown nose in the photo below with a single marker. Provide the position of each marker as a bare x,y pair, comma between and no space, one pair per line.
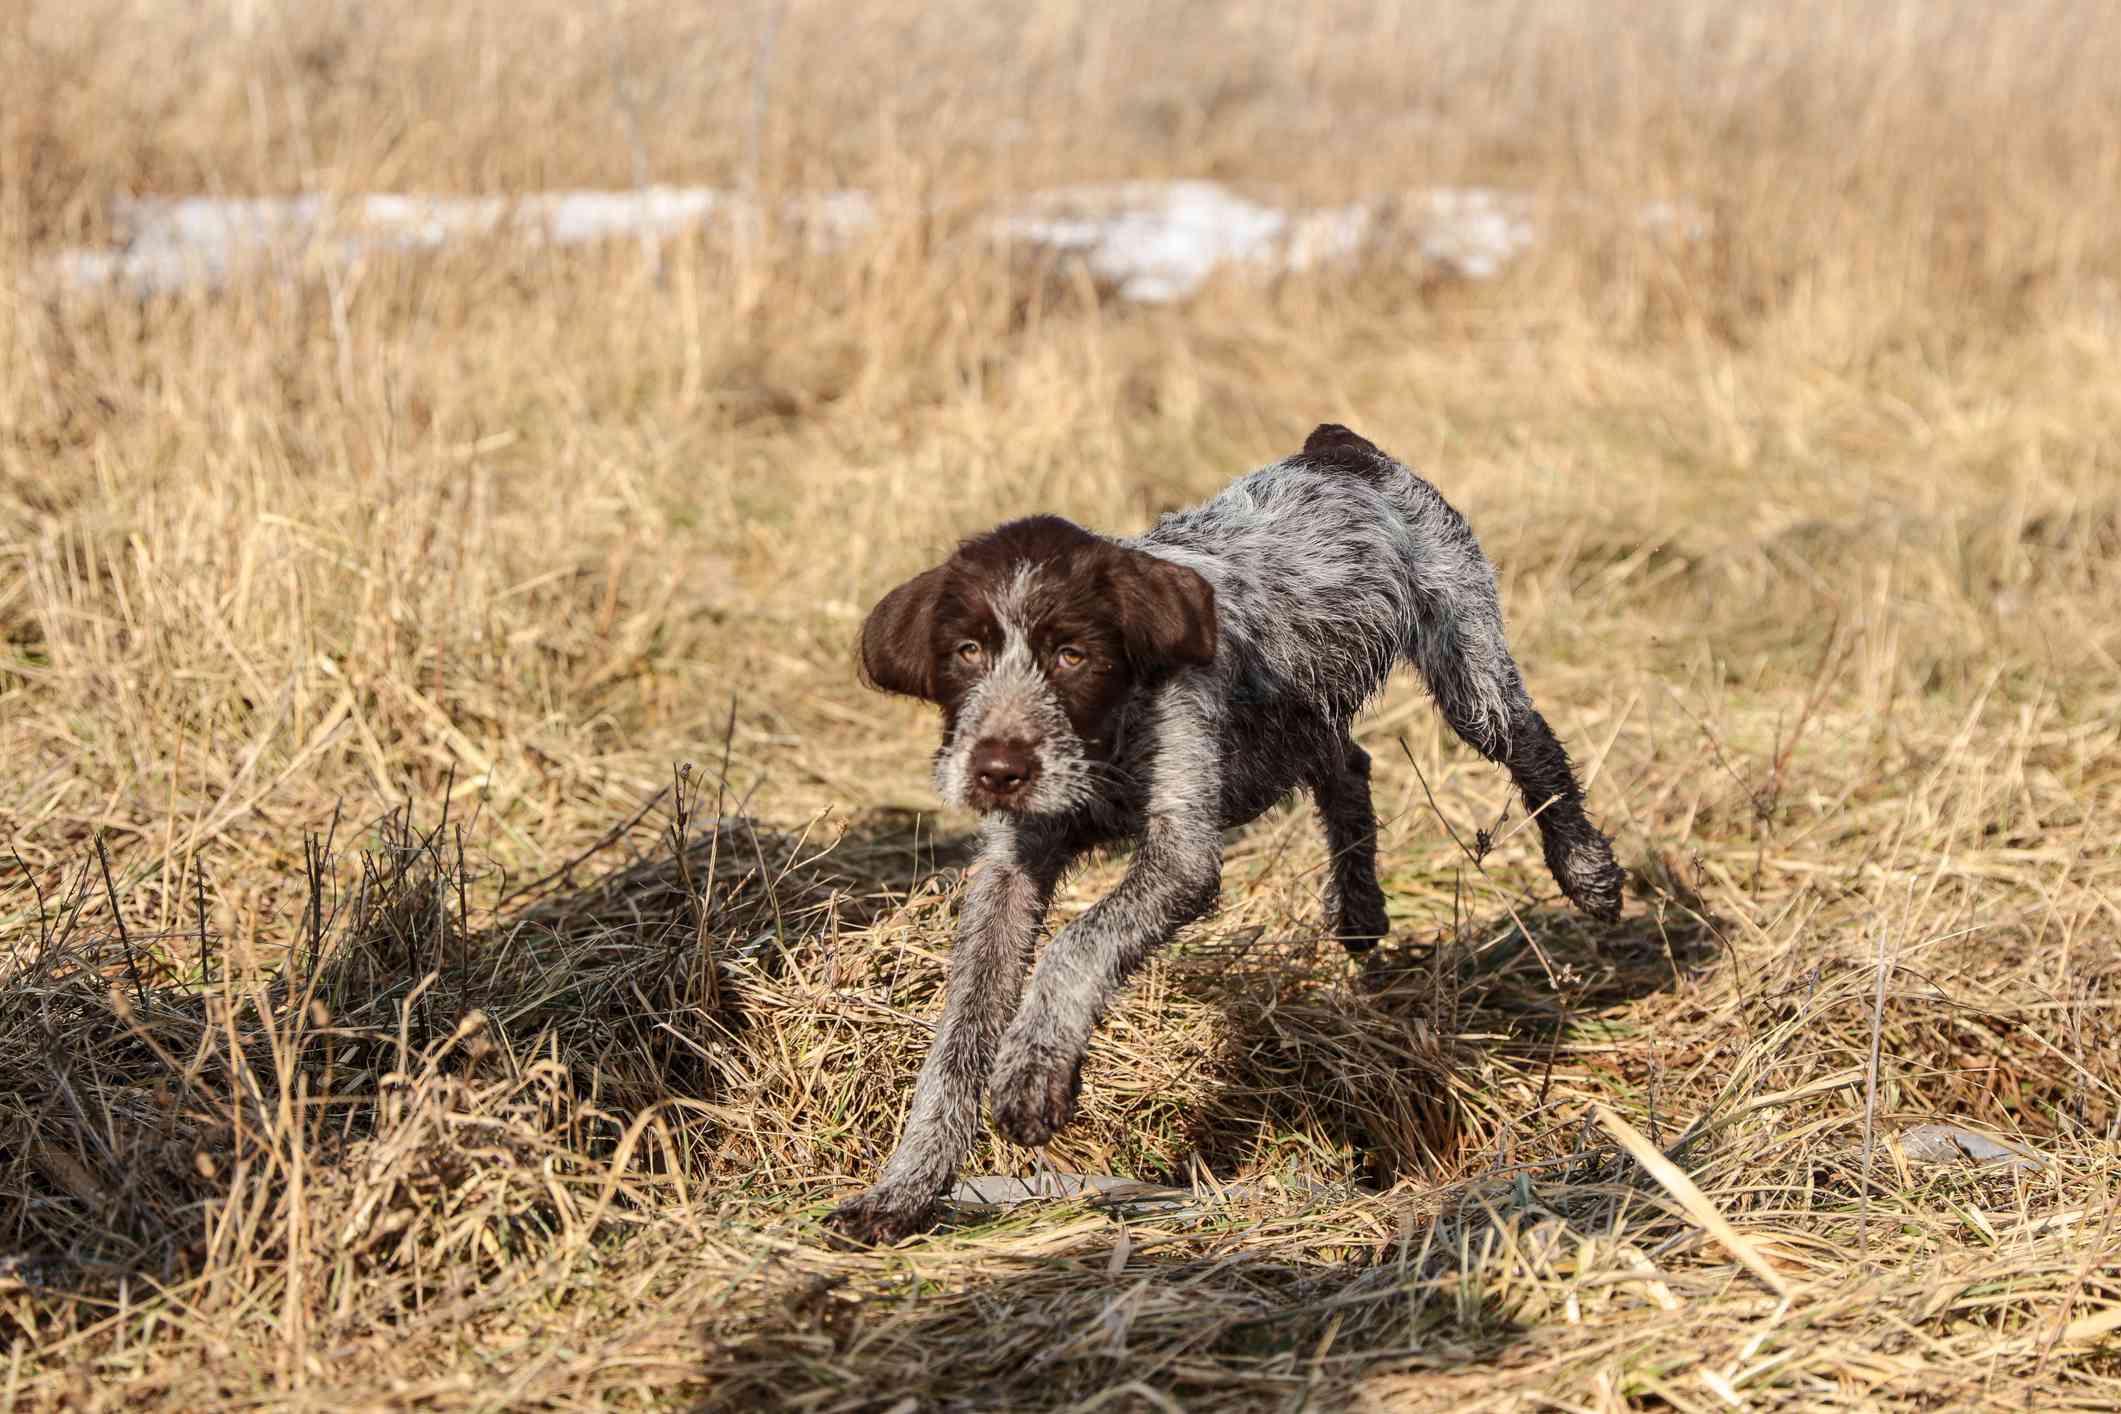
1004,769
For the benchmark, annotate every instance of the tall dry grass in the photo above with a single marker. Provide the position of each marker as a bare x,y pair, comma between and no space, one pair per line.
428,1043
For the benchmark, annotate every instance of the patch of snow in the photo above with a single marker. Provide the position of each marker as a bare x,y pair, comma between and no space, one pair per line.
171,244
1473,231
1160,241
1153,242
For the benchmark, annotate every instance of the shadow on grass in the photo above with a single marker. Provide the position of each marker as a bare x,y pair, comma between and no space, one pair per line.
134,1091
1395,1060
1393,1063
1102,1319
483,1036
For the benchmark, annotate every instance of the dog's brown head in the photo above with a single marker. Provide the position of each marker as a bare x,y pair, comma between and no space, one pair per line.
1032,638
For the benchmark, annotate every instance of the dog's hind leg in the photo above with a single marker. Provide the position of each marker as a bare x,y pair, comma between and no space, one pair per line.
1355,905
1459,646
1578,855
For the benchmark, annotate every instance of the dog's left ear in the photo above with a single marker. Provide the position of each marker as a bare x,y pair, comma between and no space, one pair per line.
898,638
1166,612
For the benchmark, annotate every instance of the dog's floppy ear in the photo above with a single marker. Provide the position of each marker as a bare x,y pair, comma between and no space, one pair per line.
898,638
1166,612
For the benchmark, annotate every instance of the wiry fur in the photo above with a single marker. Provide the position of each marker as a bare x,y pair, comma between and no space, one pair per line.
1224,656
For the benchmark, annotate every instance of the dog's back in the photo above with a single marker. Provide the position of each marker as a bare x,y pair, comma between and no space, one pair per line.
1332,565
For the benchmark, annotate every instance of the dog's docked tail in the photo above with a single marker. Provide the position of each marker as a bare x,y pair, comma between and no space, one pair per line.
1332,446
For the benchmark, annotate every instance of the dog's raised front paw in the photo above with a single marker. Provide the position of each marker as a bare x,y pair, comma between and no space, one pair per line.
1034,1098
879,1217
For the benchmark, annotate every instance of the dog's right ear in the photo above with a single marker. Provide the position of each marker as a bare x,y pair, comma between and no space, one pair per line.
898,638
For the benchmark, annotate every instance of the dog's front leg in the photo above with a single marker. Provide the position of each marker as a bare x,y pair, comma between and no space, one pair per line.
997,929
1174,877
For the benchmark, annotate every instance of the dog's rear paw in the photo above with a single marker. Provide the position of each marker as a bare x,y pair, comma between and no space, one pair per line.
1360,929
1592,880
1035,1098
878,1218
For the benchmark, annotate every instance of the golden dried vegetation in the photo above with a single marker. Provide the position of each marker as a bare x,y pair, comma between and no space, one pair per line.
462,924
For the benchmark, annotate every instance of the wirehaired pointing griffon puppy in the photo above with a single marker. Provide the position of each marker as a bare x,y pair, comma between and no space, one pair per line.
1160,690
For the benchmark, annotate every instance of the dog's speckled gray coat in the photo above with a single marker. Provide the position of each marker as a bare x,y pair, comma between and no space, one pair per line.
1328,568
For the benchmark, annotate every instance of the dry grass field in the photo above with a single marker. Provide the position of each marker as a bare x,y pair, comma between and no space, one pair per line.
462,924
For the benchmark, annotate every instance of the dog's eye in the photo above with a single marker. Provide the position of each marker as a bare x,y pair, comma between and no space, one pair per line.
1070,657
969,651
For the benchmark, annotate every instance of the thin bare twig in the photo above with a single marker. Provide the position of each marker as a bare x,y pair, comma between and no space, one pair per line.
1554,979
761,72
125,939
44,931
1870,1098
605,841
